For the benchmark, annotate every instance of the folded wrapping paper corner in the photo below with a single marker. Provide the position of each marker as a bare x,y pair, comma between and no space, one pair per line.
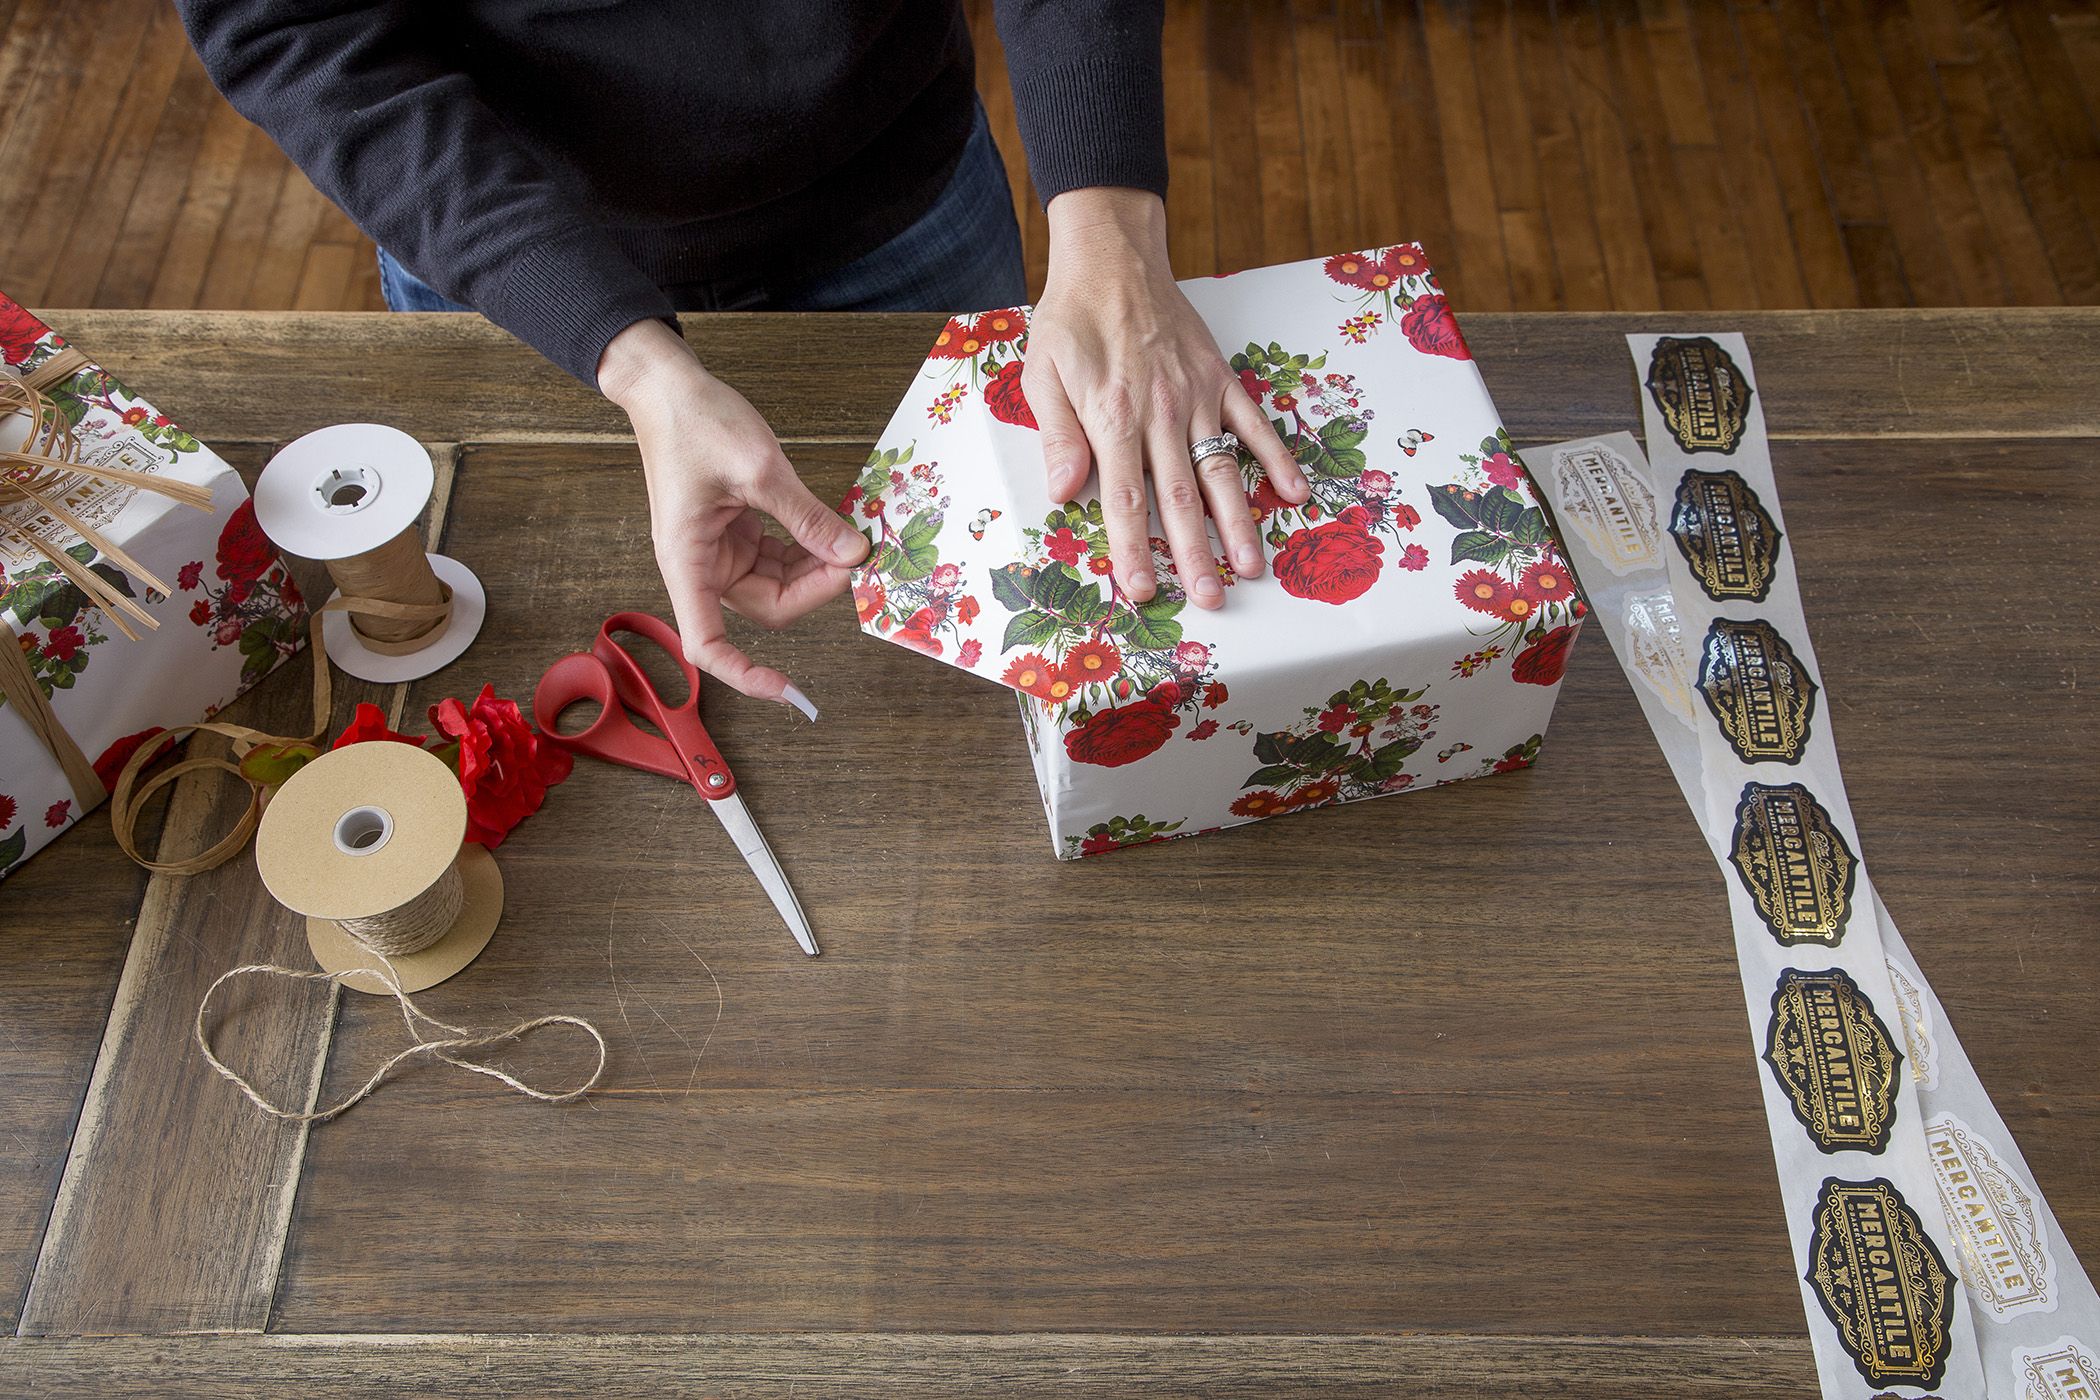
1422,560
230,614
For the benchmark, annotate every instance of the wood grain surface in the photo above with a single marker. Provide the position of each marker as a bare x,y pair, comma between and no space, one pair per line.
1586,155
743,1366
1455,1084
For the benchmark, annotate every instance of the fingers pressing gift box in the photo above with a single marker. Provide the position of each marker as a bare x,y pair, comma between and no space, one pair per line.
1411,631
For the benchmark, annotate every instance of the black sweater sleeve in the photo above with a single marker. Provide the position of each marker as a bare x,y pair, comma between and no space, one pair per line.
1087,89
361,101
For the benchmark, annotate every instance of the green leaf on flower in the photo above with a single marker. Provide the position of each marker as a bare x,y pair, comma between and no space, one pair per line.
1150,626
11,849
1272,775
272,764
1499,510
916,556
1480,546
1032,628
1457,505
1010,588
1530,529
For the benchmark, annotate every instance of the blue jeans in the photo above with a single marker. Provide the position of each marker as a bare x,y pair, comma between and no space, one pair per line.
964,254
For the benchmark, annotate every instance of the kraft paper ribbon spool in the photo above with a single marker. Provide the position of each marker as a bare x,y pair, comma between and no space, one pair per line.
349,496
366,842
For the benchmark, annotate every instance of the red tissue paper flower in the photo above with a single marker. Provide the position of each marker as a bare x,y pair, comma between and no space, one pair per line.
1431,329
368,723
1330,563
245,552
1544,661
1003,396
19,332
1112,738
505,767
116,756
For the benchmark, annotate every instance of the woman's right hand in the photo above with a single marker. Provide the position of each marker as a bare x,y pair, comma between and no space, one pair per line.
712,465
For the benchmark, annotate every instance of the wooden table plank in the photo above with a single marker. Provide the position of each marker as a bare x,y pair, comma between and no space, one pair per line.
1065,1107
741,1366
1004,1112
167,1219
261,377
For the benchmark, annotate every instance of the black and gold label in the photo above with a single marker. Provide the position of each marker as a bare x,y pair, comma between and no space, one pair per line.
1725,534
1794,862
1834,1058
1882,1282
1704,398
1758,690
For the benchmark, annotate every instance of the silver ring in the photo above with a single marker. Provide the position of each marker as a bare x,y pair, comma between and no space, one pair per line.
1223,445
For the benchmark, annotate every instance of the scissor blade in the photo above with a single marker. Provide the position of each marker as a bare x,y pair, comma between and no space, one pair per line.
736,820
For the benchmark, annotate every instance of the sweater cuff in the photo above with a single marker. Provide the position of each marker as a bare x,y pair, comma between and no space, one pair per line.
1101,121
570,295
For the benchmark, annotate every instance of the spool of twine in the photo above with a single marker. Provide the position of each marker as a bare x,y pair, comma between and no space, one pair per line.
396,573
415,925
395,881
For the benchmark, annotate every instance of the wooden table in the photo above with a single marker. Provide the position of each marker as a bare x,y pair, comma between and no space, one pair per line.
1450,1091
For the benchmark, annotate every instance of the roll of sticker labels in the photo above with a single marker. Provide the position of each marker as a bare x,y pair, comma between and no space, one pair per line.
1928,1259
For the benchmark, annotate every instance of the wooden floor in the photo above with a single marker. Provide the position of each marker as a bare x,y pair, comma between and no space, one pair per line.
1583,154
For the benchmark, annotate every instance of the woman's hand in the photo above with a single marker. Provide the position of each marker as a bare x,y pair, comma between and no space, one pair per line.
1123,374
712,465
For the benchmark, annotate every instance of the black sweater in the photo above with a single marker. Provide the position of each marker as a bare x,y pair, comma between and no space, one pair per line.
565,165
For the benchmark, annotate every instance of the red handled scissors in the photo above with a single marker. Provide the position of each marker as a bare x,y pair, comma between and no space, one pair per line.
610,676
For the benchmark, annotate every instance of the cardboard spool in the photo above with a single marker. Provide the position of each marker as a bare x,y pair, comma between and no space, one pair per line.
346,490
363,831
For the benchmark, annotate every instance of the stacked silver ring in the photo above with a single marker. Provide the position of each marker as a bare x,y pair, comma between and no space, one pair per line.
1223,445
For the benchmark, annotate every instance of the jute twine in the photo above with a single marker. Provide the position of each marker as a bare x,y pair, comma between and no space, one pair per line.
449,1048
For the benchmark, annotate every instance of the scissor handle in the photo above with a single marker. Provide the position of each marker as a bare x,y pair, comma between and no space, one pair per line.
680,723
610,735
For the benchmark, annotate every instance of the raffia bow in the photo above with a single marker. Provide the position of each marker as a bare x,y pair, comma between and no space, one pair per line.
38,474
33,485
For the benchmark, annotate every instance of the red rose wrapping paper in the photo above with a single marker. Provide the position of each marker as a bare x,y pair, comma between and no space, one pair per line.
234,616
1411,631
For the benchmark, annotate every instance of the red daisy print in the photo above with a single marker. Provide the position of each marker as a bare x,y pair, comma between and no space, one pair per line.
7,812
948,345
1404,260
1093,661
1060,685
1546,582
1483,591
998,327
1313,794
1259,804
1030,672
1356,270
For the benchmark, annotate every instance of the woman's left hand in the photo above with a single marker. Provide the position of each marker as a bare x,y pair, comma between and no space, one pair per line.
1123,375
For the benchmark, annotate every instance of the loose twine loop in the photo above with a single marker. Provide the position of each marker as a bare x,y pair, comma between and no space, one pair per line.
459,1039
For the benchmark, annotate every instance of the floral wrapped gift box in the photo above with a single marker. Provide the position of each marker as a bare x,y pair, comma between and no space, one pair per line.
1412,628
232,616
